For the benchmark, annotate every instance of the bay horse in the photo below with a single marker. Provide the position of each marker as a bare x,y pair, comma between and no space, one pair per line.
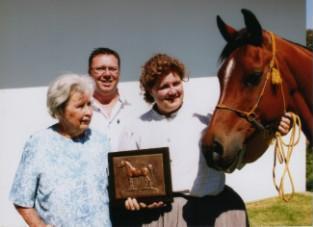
136,172
261,77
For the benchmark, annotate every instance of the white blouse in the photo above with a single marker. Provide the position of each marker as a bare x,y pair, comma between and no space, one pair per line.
181,132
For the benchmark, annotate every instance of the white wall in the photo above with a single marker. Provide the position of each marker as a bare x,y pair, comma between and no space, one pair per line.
23,111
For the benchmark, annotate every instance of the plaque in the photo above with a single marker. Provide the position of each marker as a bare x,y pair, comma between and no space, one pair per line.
141,174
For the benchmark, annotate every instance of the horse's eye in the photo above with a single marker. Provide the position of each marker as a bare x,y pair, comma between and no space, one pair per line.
253,79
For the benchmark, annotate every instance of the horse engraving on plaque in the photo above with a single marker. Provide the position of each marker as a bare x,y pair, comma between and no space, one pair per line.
138,177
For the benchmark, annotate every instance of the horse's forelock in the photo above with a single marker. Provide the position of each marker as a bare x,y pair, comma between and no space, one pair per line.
242,39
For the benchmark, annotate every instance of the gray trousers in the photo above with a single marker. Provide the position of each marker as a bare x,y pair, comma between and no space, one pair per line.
223,210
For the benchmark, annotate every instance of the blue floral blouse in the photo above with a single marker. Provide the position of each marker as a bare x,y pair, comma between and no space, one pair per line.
65,180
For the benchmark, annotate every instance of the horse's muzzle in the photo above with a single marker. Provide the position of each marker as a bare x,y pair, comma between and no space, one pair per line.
214,158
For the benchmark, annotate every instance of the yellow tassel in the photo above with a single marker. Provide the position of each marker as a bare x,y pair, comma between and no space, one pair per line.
276,78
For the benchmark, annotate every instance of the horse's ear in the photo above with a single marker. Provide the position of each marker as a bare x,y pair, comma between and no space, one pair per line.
228,32
253,26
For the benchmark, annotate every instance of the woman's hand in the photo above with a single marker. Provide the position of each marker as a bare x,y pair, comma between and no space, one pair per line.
285,124
133,204
31,216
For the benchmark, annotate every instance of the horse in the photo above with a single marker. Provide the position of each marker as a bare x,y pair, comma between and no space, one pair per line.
261,76
133,172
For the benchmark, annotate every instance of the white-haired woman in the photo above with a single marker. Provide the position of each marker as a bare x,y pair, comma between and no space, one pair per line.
61,179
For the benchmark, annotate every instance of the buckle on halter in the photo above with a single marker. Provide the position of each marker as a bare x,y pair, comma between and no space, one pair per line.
251,117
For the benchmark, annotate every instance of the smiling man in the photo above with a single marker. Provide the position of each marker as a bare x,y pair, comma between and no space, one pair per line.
110,109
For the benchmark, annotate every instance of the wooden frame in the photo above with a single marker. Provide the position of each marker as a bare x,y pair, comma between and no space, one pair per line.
141,174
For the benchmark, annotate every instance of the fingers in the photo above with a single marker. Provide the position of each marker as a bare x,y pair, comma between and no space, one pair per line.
283,127
132,204
285,124
156,205
288,115
143,205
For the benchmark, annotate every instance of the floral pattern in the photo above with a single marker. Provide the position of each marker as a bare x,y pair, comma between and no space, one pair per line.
65,180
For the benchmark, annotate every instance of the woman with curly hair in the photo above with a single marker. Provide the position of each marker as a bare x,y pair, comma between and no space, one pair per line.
201,197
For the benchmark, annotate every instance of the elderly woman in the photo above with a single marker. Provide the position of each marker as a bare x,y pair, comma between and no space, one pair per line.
201,196
61,179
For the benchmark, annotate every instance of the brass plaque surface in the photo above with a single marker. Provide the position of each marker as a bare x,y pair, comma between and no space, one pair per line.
141,174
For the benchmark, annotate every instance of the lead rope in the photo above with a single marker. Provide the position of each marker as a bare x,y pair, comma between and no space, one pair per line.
282,150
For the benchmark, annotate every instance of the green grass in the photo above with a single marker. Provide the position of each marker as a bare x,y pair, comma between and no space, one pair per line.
275,212
309,168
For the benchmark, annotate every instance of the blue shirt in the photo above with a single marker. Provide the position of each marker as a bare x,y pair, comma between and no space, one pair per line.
65,180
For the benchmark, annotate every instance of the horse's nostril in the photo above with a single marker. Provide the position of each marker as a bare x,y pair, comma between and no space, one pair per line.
217,151
213,154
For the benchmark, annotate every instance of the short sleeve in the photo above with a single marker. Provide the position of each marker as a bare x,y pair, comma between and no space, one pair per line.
24,187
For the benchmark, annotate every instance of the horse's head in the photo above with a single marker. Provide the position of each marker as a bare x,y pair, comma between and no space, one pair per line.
121,164
250,98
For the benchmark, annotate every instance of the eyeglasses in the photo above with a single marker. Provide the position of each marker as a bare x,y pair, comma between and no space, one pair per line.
102,69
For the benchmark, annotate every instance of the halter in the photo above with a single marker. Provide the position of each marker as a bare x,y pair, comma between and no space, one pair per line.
279,151
275,76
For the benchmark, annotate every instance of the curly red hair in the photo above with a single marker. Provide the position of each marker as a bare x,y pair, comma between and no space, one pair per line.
157,66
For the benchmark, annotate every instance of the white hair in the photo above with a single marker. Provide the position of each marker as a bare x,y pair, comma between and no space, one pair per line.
61,89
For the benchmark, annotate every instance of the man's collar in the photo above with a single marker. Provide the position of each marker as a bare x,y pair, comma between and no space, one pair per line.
97,105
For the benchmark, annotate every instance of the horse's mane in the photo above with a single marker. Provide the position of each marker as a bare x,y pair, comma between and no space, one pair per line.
299,45
243,38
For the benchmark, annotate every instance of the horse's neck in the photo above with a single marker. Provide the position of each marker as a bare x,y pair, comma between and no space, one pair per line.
299,62
298,78
129,166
